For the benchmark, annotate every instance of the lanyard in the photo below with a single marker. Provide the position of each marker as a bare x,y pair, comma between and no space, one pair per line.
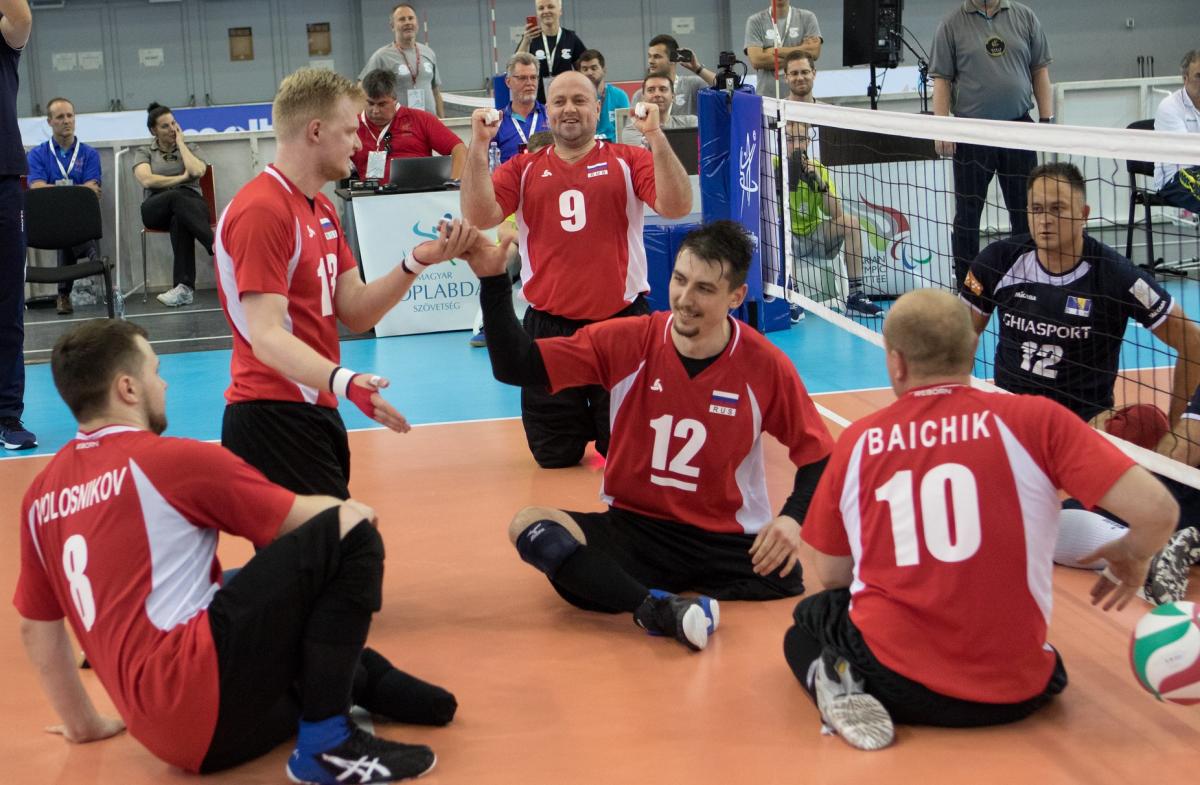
787,25
520,130
411,70
381,134
57,160
550,53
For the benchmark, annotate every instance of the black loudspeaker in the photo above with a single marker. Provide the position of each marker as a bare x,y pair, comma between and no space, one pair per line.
871,33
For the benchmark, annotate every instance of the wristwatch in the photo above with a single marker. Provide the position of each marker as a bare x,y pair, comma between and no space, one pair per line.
1049,119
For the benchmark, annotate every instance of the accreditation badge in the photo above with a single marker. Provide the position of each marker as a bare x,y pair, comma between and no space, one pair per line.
995,46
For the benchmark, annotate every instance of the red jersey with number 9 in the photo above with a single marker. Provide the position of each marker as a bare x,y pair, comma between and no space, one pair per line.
948,502
272,240
579,227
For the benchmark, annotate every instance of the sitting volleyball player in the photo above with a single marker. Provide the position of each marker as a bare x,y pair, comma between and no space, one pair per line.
1064,300
692,390
934,527
120,538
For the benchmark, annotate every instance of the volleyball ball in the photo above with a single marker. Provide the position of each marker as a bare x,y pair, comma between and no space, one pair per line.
1165,652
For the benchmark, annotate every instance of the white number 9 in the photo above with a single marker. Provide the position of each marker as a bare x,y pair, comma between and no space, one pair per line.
573,211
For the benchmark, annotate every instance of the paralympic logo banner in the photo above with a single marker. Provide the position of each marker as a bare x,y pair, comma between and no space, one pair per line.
745,150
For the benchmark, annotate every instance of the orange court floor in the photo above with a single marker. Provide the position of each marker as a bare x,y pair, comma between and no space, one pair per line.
549,694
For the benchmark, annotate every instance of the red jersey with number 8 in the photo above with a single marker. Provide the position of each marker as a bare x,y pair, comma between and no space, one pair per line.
272,240
580,227
119,534
948,502
689,449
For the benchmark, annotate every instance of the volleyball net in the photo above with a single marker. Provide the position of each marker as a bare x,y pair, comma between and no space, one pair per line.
859,205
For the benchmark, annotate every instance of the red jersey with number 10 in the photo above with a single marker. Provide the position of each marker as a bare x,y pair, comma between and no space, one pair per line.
948,502
580,227
690,449
119,534
271,240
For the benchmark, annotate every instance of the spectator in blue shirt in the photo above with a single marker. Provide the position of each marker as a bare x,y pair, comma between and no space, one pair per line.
524,116
64,160
591,64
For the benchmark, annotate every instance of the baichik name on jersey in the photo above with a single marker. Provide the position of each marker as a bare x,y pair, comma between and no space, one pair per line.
928,433
76,498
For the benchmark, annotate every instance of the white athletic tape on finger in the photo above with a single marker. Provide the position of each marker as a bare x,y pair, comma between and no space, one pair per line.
375,381
641,110
491,117
1107,574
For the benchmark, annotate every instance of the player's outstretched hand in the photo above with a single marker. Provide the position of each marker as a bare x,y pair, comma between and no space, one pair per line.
485,124
487,258
777,544
454,238
646,118
364,393
1124,575
101,728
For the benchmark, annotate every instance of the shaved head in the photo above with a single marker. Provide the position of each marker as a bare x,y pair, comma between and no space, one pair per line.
933,332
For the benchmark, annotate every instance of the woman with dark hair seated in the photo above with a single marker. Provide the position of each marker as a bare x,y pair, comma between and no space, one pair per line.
170,171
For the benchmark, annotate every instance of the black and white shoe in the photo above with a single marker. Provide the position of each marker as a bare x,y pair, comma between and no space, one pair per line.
359,760
1167,580
686,619
846,709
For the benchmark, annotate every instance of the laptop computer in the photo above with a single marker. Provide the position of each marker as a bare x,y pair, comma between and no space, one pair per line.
686,144
408,175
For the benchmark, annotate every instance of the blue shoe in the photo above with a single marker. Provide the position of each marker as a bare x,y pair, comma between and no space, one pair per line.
712,609
478,339
683,618
361,759
14,436
795,313
860,304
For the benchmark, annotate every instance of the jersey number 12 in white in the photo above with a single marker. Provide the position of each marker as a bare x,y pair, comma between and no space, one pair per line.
694,432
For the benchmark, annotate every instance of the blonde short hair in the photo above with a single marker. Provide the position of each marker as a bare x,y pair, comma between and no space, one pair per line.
308,94
933,330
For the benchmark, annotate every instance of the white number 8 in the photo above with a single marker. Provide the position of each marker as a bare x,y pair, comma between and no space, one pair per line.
75,558
573,210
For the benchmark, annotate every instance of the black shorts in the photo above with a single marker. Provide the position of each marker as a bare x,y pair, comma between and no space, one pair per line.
558,426
259,620
300,446
677,557
822,621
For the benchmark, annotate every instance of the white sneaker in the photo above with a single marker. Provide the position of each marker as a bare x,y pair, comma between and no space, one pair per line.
177,296
846,709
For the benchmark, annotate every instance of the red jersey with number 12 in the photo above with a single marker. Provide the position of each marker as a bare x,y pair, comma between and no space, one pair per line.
948,502
119,534
690,449
579,227
271,240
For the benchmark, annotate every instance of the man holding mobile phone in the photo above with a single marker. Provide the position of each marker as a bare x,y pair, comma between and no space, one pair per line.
556,48
662,53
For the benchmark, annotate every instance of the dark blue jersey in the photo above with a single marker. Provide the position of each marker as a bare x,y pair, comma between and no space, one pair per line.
1060,335
12,153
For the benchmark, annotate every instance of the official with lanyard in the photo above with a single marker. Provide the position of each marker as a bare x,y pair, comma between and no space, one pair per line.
515,130
377,157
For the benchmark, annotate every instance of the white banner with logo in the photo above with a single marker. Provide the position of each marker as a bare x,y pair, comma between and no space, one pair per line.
444,297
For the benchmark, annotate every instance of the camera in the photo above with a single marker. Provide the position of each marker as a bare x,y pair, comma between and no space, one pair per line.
727,78
683,56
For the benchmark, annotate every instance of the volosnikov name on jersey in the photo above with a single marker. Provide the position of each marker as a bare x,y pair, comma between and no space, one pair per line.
74,498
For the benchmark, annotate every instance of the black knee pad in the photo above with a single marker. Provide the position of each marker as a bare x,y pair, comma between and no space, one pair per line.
361,578
546,545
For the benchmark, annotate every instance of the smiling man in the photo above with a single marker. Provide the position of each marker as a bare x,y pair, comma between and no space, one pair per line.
658,90
414,63
579,207
693,390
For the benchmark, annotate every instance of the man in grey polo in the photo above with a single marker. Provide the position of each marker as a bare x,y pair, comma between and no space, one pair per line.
990,61
772,35
419,83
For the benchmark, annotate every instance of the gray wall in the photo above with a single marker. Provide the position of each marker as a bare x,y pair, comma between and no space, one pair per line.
1088,37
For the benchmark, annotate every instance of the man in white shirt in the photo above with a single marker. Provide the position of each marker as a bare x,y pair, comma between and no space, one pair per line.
1179,113
419,81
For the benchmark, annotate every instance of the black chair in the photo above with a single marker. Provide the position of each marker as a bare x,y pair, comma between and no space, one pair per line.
1148,198
59,218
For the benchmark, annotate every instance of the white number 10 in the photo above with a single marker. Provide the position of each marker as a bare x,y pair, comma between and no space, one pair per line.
935,522
573,210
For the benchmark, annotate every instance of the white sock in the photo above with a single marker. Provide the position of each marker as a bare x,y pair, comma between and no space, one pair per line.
1080,533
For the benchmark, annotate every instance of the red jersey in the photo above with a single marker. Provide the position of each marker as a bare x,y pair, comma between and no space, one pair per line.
948,502
119,534
271,240
413,133
579,227
683,449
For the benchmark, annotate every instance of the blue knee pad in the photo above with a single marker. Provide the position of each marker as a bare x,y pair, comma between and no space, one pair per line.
546,545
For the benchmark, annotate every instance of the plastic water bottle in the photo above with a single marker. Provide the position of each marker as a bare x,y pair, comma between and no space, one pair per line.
493,157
